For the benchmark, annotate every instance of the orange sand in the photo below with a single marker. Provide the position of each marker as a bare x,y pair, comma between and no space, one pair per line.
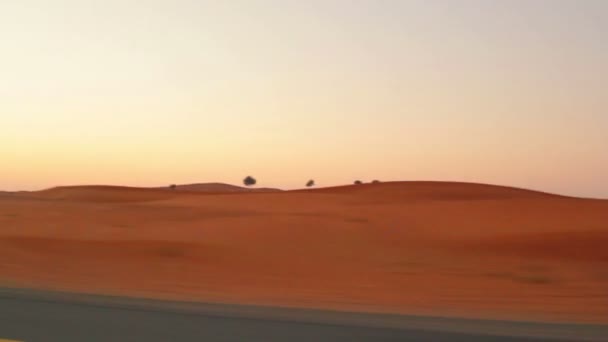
417,248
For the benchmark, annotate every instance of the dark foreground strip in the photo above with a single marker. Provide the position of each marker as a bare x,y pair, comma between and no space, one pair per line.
31,316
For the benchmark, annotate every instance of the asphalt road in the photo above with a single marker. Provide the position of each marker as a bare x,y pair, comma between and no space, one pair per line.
33,316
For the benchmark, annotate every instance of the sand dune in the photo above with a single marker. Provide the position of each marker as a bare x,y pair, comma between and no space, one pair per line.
437,191
107,193
411,247
220,188
569,246
102,193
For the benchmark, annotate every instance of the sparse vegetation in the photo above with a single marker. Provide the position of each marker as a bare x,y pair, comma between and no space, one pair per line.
172,186
375,181
249,181
310,183
358,182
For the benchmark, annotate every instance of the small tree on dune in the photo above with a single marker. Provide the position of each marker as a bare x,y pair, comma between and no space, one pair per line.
310,183
249,181
358,182
172,186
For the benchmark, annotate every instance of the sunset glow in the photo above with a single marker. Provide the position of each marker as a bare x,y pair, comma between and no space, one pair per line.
184,91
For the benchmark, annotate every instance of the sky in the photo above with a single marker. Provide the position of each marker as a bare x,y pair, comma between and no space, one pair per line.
148,93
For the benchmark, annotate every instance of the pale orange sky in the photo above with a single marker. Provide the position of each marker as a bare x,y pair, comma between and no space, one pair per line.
115,92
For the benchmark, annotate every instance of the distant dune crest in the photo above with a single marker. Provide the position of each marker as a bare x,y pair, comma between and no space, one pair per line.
425,190
220,187
385,192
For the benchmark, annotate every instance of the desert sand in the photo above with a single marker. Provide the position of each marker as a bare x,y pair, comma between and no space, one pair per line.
217,188
428,248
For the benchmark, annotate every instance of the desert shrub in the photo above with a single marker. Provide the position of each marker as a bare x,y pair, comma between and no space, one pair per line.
172,186
310,183
358,182
375,181
249,181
